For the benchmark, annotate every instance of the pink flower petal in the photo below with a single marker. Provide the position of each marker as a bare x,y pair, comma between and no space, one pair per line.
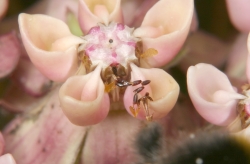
16,100
93,12
134,11
182,120
59,9
236,62
248,42
83,99
239,14
248,59
248,68
30,79
163,89
44,135
1,144
212,94
203,47
170,29
7,159
195,23
3,7
52,49
110,141
9,53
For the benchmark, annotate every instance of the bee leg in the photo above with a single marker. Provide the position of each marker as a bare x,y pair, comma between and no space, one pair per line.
136,103
134,110
144,99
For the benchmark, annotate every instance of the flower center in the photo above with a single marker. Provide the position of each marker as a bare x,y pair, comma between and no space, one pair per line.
243,107
114,47
110,45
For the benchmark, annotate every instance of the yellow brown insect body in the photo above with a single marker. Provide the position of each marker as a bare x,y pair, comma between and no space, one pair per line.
243,108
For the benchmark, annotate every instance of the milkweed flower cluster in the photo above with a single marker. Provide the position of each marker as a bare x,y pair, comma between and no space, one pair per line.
103,58
109,62
97,66
210,90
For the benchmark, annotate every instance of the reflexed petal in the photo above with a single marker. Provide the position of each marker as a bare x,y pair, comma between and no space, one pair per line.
52,49
59,9
170,28
239,14
3,7
9,53
43,135
212,94
236,62
16,100
7,159
111,141
182,119
248,68
98,11
203,47
248,59
248,42
195,23
135,11
30,79
163,89
1,144
83,99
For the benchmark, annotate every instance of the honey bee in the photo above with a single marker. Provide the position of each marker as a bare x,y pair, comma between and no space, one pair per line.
204,148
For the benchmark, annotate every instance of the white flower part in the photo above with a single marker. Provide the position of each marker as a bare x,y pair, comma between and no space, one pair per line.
247,101
112,44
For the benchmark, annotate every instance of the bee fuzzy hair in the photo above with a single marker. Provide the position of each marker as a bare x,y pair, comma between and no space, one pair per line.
205,148
150,143
212,148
